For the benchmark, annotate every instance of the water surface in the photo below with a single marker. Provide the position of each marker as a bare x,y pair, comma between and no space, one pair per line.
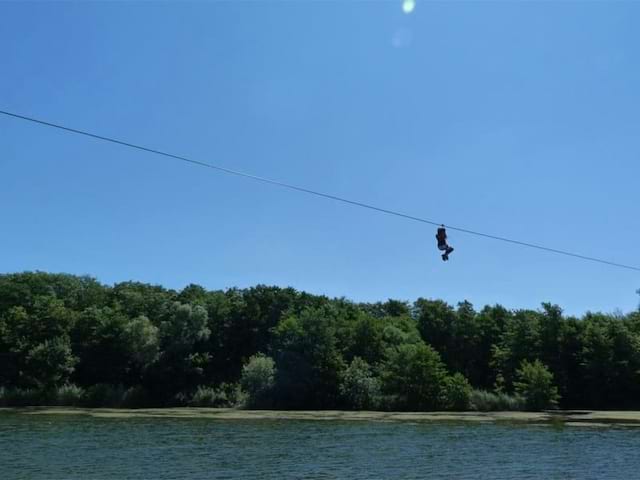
80,447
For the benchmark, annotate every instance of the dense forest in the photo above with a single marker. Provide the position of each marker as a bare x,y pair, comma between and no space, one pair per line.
70,340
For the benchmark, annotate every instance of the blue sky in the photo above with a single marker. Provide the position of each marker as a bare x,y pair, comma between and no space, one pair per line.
518,119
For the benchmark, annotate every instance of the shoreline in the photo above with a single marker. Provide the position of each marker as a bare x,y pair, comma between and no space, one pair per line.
573,417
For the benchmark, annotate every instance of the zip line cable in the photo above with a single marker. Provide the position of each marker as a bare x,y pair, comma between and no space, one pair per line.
313,192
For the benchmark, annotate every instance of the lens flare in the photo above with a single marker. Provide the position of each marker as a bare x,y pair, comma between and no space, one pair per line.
408,6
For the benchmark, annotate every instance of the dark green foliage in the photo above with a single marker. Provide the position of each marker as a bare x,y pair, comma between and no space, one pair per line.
136,299
610,360
242,322
181,363
367,339
24,290
491,322
21,397
435,322
308,359
520,340
70,340
111,347
104,395
390,308
136,397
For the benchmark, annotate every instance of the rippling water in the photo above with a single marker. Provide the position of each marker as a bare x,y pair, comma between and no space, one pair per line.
77,447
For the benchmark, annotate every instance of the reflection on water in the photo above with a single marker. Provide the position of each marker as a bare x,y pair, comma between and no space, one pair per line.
77,447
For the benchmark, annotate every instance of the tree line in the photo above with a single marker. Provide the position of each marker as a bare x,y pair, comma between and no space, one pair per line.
71,340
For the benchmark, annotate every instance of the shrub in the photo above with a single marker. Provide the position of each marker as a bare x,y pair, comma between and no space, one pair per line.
104,395
457,393
180,399
390,402
234,394
69,395
135,397
99,395
535,384
207,397
225,395
20,397
484,401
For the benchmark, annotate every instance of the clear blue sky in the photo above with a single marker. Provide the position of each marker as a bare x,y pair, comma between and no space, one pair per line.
519,119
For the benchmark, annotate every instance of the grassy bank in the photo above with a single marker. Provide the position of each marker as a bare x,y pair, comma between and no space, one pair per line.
574,418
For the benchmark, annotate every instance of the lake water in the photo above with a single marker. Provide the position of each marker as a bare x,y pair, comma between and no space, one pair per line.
55,447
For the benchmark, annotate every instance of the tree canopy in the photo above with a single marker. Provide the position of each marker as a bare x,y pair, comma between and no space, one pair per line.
271,347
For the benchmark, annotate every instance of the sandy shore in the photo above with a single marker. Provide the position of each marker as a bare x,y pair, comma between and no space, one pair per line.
575,418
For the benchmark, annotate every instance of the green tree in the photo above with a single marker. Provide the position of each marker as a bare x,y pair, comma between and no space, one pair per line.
535,384
193,294
367,339
143,342
415,375
457,393
97,339
597,360
23,289
13,345
390,308
519,341
183,326
491,323
308,359
359,388
435,320
242,323
611,361
49,363
399,331
113,349
258,380
464,347
183,358
136,298
162,344
37,337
